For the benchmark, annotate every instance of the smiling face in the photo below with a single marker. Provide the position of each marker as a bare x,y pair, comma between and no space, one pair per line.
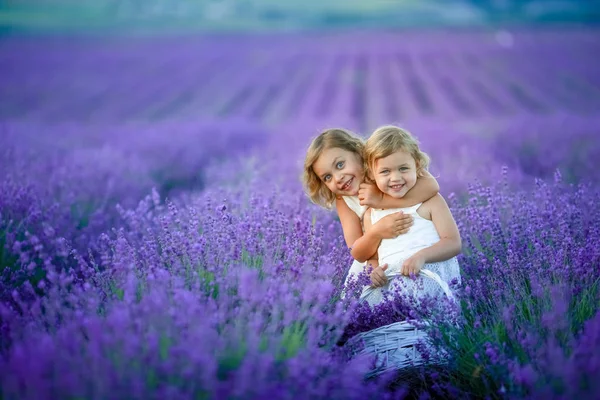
340,170
395,174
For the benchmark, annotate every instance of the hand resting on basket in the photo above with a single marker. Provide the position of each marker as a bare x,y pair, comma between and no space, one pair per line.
378,276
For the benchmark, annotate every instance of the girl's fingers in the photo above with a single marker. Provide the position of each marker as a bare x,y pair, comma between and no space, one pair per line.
377,280
404,224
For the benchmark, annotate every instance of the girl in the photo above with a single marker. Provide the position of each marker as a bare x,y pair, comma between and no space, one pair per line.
395,162
333,175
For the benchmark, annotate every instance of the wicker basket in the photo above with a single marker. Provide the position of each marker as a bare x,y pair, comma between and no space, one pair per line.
394,344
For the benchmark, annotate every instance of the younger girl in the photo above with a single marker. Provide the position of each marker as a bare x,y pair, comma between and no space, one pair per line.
395,162
333,176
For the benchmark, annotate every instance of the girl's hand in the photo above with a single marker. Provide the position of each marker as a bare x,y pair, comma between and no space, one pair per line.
369,195
393,225
378,277
413,265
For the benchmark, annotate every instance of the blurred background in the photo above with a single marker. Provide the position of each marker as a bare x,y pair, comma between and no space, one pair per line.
451,71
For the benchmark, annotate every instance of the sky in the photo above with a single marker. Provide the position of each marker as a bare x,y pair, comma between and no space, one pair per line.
288,15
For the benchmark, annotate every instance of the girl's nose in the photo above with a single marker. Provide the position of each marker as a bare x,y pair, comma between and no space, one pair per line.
396,177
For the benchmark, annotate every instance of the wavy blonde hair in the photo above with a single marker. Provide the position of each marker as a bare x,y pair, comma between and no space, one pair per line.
329,138
389,139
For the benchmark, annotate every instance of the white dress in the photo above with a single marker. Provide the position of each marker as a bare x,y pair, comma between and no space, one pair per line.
394,251
357,267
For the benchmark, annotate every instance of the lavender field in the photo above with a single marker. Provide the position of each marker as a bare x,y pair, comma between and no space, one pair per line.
155,241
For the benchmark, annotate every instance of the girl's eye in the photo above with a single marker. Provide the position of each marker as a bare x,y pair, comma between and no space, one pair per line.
327,178
404,169
340,165
384,172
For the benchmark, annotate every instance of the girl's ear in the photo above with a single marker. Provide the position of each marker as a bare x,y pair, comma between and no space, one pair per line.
419,169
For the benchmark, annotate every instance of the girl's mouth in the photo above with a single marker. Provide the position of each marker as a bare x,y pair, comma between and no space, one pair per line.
347,185
396,187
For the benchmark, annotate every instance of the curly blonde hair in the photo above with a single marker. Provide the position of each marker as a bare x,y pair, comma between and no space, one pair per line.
330,138
389,139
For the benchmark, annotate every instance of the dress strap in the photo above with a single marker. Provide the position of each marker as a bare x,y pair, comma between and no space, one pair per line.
413,208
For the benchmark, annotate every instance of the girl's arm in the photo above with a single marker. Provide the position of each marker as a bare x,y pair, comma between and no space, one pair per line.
350,222
390,226
353,233
353,229
377,274
365,247
425,188
373,261
449,245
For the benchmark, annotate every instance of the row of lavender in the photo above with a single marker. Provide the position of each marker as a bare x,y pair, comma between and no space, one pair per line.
365,78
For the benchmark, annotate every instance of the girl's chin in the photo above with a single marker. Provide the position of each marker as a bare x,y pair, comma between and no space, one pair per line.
397,195
352,192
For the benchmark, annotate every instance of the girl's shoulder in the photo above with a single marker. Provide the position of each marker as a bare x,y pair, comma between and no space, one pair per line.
430,205
436,202
438,198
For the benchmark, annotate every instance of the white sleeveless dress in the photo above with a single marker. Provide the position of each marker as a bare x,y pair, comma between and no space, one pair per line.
394,251
357,267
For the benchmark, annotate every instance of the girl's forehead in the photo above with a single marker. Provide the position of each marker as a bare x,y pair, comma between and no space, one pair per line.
328,156
332,153
399,156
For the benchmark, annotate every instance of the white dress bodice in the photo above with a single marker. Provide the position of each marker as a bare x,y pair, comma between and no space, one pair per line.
422,234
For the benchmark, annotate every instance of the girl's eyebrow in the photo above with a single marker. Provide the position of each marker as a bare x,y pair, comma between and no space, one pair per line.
388,167
335,160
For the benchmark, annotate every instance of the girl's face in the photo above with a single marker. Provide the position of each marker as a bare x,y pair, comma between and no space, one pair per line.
340,170
395,174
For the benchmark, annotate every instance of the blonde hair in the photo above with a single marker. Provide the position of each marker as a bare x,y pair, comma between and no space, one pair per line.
389,139
330,138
